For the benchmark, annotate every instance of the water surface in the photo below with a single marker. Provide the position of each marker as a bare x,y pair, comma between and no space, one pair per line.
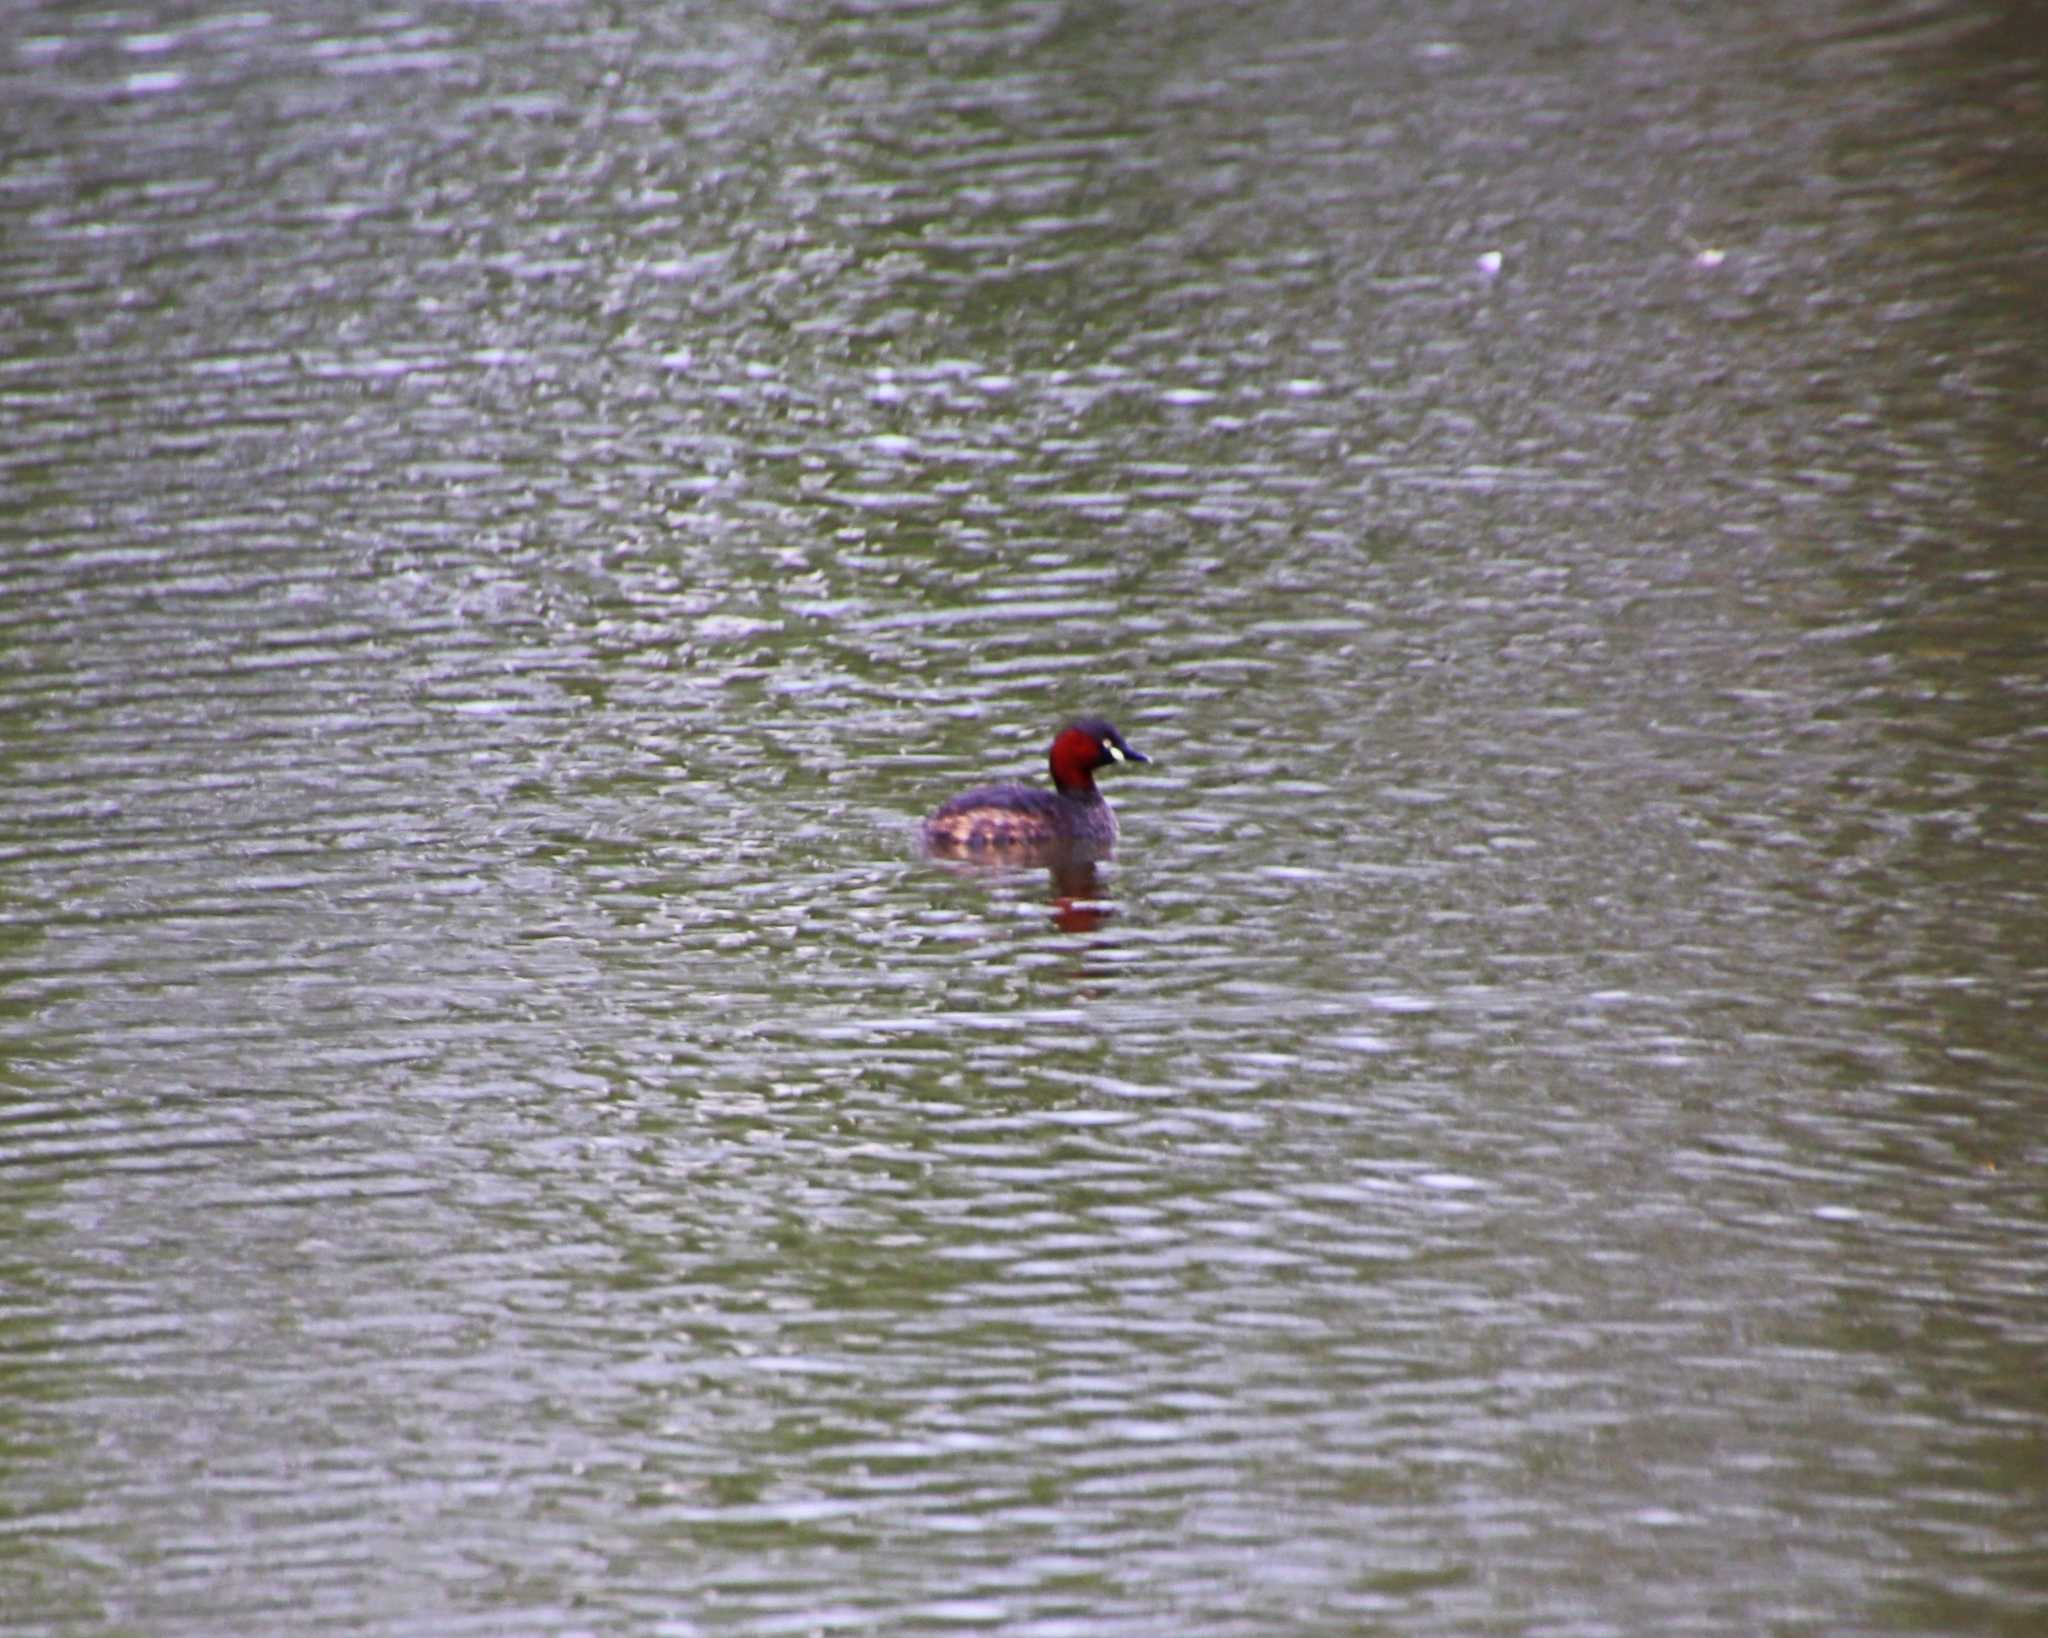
510,517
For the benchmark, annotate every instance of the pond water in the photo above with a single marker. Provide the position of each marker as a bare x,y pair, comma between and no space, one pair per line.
511,514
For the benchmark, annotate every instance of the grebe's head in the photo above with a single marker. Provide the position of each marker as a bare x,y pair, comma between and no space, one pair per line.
1082,747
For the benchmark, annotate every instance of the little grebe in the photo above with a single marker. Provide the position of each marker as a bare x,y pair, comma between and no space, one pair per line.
1001,820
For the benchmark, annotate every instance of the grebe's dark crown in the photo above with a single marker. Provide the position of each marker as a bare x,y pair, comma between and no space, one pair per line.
1104,733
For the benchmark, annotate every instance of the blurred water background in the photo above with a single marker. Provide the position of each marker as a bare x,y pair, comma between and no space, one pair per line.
510,513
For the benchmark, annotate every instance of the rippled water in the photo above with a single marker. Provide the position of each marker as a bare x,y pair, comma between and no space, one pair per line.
509,517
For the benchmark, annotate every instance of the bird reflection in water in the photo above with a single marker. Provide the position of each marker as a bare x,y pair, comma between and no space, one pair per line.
1079,885
1080,894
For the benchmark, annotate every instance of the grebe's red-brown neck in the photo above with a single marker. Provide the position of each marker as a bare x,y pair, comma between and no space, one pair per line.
1076,754
1083,747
